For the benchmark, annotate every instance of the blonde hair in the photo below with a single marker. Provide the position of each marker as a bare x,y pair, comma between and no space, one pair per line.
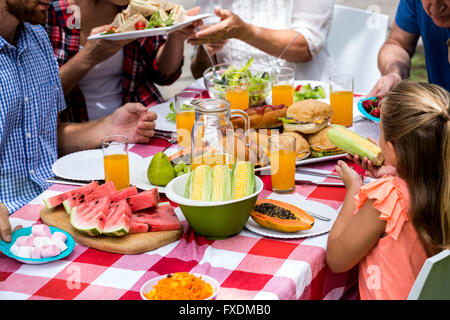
415,118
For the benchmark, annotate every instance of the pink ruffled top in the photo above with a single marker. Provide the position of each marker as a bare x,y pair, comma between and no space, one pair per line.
389,270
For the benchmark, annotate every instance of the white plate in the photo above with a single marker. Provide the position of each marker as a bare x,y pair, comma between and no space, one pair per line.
162,110
309,160
148,286
88,165
149,32
320,226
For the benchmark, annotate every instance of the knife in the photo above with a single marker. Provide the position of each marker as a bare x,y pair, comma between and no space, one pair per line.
59,180
324,184
315,215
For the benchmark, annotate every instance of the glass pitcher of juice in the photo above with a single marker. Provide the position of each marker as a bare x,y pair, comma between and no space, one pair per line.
213,137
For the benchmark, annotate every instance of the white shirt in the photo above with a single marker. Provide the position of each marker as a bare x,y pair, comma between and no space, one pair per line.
310,18
102,87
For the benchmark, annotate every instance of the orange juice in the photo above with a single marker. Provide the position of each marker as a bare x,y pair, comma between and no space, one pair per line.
342,104
211,159
117,170
238,98
282,94
282,164
185,122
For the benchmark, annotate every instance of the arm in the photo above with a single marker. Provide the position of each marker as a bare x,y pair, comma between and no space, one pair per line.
394,59
200,62
352,236
270,41
132,120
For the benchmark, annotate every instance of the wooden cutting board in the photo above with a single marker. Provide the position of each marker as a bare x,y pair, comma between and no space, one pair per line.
129,244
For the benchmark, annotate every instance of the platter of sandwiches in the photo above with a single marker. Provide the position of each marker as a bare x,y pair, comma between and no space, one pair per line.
147,18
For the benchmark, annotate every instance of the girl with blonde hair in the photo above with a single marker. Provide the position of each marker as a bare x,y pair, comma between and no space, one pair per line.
391,226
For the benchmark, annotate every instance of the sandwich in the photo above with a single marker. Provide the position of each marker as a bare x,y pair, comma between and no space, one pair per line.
301,145
130,23
178,14
307,116
146,8
320,145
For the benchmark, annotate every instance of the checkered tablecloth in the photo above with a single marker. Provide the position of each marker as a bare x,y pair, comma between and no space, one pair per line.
247,266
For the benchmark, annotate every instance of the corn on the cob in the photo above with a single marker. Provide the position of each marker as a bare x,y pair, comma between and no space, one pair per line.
221,183
199,185
353,143
243,179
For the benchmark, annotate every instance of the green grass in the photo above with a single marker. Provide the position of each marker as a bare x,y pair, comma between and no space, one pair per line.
418,66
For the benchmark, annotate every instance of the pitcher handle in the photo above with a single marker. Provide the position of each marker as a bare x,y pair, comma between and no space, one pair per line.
242,114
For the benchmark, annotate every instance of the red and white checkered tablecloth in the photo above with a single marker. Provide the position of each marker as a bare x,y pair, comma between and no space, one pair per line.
247,266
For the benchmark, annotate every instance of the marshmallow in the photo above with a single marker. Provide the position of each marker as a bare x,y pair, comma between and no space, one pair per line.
41,230
22,241
60,244
36,253
59,235
24,252
42,242
14,249
50,251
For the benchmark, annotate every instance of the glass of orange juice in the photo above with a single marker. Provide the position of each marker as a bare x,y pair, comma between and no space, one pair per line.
282,163
185,116
115,161
283,86
236,91
341,99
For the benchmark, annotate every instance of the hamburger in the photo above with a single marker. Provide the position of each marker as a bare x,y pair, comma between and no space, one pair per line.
307,116
320,146
301,145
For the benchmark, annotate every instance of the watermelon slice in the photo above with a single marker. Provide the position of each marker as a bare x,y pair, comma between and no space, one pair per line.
124,194
55,201
160,218
144,200
89,218
119,219
104,190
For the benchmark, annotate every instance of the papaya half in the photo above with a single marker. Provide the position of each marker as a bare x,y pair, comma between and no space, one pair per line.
281,216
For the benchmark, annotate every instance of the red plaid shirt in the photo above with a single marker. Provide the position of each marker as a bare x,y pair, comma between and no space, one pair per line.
140,71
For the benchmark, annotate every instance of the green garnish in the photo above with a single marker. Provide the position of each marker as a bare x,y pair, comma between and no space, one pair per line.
308,92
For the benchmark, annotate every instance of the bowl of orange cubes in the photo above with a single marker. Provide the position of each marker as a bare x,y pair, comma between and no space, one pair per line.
180,286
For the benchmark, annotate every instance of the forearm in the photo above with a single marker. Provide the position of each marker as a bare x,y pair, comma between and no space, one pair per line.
170,56
394,59
273,42
345,214
200,63
73,71
73,137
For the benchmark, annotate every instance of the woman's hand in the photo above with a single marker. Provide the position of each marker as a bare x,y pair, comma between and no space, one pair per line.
5,226
230,26
189,31
351,179
96,51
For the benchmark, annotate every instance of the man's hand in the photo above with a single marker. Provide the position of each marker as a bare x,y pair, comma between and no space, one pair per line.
5,226
385,84
230,26
134,121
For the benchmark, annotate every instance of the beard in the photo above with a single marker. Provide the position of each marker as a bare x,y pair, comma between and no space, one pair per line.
27,11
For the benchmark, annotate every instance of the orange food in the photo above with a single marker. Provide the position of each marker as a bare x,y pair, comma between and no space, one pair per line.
180,286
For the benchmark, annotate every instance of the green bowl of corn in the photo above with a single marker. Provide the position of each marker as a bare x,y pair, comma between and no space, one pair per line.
213,219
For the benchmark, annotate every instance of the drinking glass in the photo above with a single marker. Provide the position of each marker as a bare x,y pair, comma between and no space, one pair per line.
185,116
282,163
341,99
236,91
115,160
283,86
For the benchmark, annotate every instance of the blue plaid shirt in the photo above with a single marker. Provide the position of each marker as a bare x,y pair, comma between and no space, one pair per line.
30,99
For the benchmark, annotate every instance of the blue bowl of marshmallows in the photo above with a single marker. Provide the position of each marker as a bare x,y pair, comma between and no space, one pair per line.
38,244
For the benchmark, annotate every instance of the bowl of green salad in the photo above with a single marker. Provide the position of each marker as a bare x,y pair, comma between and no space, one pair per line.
258,79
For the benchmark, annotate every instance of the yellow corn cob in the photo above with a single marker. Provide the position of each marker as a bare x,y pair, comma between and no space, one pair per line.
221,183
200,184
353,143
243,177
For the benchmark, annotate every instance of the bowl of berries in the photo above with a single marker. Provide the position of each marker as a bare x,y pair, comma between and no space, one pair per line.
370,108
